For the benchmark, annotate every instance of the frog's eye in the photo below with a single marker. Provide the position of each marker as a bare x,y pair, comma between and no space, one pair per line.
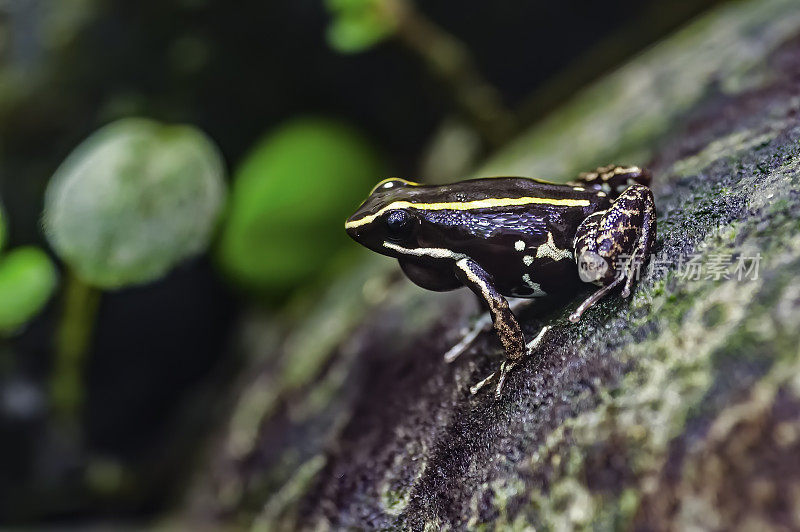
399,223
392,183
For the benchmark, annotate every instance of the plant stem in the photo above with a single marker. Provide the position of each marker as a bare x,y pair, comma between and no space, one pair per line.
449,60
73,340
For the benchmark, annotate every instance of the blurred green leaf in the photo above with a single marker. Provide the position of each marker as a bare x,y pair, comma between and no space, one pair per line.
289,199
133,200
3,228
27,280
358,24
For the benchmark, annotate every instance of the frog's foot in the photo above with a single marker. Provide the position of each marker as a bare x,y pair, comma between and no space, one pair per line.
628,276
592,299
507,366
482,324
631,272
501,375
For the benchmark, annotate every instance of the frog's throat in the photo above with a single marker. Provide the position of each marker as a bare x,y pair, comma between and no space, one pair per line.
487,203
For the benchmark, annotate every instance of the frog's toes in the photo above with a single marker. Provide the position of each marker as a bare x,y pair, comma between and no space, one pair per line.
484,323
592,299
505,369
479,386
500,375
533,344
509,365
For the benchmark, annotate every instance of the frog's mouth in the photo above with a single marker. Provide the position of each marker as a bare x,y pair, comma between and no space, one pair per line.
357,231
363,235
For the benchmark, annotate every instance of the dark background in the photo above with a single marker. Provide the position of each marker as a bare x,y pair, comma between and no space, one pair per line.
162,356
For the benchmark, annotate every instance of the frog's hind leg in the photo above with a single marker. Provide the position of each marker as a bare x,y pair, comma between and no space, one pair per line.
611,245
612,179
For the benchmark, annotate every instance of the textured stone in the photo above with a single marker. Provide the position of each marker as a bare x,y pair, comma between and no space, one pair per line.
677,407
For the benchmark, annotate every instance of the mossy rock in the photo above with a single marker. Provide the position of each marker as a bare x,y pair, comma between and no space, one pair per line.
676,408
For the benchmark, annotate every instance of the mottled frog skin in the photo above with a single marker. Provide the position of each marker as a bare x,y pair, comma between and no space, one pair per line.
513,236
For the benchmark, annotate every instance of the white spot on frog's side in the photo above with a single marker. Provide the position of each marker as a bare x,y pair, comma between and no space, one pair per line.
528,260
550,250
519,245
536,287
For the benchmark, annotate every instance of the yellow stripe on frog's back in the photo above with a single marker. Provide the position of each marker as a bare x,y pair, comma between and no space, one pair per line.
487,203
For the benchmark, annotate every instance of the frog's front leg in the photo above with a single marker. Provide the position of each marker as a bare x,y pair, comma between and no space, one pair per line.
505,323
626,230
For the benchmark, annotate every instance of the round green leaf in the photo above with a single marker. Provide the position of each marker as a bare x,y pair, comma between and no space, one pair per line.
357,25
289,199
133,200
27,280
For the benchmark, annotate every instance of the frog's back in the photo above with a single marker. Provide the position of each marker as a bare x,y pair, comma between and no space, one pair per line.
520,230
497,187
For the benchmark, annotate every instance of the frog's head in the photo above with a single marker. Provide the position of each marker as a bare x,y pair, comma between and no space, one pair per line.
385,217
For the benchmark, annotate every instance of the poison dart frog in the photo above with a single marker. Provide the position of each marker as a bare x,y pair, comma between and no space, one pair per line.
514,237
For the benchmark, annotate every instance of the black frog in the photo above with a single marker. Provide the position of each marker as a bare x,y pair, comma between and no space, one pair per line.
514,237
